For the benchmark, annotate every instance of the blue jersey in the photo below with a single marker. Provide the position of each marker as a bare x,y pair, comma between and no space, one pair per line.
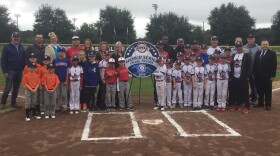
61,67
91,74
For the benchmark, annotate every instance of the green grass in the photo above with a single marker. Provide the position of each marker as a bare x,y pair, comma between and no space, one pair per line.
278,75
278,58
146,86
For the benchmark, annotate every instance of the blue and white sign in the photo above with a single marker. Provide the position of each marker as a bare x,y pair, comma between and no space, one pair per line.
140,58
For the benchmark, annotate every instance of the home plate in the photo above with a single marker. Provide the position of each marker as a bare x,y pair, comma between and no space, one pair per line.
153,122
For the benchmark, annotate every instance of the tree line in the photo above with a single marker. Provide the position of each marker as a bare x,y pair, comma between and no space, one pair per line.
115,24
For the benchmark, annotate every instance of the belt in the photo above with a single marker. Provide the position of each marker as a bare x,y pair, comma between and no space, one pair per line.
159,80
124,81
75,80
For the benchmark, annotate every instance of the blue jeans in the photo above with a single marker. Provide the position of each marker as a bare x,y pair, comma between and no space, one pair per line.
13,80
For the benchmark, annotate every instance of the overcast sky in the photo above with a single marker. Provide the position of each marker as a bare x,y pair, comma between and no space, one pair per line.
88,10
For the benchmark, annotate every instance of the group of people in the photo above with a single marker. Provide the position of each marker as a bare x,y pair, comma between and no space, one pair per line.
213,77
56,78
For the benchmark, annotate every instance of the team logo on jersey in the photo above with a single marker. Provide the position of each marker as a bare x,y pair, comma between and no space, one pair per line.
140,58
200,77
237,63
223,75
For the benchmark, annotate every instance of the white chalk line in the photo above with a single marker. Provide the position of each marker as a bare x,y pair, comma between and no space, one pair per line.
276,89
182,133
136,129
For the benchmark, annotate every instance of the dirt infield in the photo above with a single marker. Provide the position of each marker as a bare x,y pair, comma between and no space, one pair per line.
259,132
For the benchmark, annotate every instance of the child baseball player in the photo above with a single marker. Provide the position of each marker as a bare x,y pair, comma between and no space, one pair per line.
193,59
31,81
82,61
50,82
222,82
216,54
32,58
204,54
61,65
168,80
124,85
75,86
42,71
187,83
198,84
110,76
91,80
210,78
187,50
177,84
160,82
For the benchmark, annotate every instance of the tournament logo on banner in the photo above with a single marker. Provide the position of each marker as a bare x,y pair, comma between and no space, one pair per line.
140,58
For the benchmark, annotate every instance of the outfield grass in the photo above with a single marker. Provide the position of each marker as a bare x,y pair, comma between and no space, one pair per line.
278,58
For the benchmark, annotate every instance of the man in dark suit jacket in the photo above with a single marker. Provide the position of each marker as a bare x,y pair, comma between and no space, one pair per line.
264,72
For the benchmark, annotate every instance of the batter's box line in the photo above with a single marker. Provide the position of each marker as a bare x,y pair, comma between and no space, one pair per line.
232,133
136,129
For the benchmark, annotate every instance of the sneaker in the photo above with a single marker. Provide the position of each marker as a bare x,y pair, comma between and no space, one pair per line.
211,107
27,119
47,117
267,108
71,112
174,105
169,106
53,116
218,109
37,117
162,108
235,107
76,112
246,111
131,108
120,109
181,105
84,106
3,106
194,108
156,107
198,108
223,109
42,113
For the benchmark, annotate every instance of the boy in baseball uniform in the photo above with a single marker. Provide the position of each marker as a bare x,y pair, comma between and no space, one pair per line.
61,65
177,84
75,86
210,78
42,71
124,85
110,75
31,82
193,59
187,81
160,82
198,79
50,82
168,80
223,70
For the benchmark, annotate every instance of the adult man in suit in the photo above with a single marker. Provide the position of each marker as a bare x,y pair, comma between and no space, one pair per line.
264,72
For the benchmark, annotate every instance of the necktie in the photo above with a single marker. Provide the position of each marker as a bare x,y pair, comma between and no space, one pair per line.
262,55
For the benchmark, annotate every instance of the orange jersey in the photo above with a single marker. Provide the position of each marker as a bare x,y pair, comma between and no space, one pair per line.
31,79
25,70
50,80
42,71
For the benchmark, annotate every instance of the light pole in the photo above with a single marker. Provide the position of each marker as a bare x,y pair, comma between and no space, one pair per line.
74,19
155,6
17,16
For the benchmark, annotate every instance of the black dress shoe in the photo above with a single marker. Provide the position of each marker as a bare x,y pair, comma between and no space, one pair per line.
267,108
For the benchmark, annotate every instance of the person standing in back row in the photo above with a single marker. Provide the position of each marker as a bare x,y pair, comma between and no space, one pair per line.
264,72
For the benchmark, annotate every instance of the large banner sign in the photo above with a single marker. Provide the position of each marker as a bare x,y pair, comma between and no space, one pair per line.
140,58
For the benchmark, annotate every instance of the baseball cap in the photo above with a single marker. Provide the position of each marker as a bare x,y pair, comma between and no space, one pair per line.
211,57
75,58
250,36
217,51
204,46
50,65
179,40
60,48
195,42
187,57
32,55
198,58
177,62
193,54
160,43
214,37
160,58
169,61
121,59
107,52
46,57
227,49
32,65
180,54
91,53
238,44
223,55
187,46
75,37
111,60
15,34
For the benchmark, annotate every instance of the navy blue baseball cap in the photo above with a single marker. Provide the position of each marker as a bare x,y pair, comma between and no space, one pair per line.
60,48
193,54
107,52
32,65
217,51
180,54
169,61
177,62
211,57
188,46
46,57
32,55
160,58
50,65
198,58
187,57
204,46
223,56
75,58
195,42
91,53
16,34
